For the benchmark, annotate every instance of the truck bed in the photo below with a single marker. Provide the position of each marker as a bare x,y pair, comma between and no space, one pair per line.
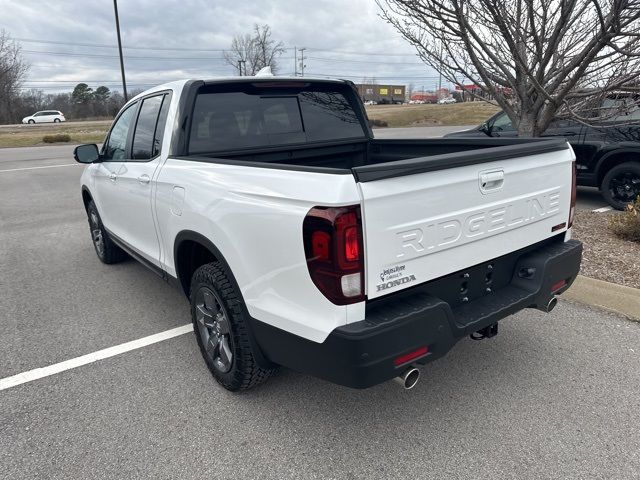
379,159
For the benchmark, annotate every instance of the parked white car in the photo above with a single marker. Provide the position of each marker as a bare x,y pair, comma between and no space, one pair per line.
446,100
302,240
45,116
370,102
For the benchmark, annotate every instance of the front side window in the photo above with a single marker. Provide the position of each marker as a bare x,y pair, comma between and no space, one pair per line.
146,127
116,145
502,123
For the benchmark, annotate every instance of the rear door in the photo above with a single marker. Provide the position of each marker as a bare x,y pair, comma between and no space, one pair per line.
421,226
135,179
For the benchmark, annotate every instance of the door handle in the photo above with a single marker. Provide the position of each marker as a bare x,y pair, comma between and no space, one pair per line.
144,179
569,134
112,177
490,181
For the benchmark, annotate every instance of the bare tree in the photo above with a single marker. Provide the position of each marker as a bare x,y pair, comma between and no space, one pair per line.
13,70
537,59
251,52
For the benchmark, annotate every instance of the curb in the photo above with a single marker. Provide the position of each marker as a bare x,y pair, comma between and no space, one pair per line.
609,296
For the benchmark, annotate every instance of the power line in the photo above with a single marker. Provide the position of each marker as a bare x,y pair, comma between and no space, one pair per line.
187,49
341,60
167,49
381,54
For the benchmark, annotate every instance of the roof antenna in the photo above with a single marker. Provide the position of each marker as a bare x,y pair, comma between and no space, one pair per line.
264,72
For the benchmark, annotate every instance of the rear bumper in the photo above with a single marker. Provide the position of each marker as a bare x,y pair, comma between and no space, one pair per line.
362,354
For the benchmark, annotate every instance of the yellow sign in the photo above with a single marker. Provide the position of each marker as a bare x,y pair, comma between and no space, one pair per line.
397,91
384,91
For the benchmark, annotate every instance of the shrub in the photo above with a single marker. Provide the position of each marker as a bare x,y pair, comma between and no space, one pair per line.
377,123
58,137
627,224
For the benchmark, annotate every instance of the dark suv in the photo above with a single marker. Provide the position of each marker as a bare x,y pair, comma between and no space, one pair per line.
607,155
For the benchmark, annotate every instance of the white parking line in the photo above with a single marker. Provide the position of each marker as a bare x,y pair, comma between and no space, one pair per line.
38,373
602,210
37,168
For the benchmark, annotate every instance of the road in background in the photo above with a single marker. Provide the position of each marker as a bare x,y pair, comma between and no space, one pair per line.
418,132
552,396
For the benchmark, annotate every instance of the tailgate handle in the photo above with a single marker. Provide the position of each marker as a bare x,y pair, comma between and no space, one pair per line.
490,181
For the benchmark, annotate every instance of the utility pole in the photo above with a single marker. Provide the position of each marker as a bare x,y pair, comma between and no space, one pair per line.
295,61
241,64
440,74
302,65
124,82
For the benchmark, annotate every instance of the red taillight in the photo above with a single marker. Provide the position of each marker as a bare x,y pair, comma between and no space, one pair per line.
321,243
333,248
408,357
558,285
572,210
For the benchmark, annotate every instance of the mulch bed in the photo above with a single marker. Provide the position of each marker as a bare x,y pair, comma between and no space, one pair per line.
606,256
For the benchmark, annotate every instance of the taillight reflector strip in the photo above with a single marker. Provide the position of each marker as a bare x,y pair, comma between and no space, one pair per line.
408,357
558,285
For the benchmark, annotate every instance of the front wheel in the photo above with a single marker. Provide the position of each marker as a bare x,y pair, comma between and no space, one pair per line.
32,121
621,185
108,252
221,329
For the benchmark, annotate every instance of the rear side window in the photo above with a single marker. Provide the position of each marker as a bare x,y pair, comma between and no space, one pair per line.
256,118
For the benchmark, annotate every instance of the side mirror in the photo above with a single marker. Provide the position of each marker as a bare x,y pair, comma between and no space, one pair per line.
86,153
485,128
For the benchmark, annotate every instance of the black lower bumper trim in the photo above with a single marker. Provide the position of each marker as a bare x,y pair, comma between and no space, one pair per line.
361,354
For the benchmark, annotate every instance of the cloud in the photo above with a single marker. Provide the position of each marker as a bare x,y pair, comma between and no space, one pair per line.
168,40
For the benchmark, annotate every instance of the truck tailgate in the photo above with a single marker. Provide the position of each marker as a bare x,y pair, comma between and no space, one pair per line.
436,219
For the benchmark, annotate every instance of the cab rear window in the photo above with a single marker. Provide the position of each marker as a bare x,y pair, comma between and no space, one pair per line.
262,117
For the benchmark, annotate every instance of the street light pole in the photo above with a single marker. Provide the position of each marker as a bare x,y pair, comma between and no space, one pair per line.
124,82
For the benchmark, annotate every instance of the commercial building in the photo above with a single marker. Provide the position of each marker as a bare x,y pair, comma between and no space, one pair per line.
382,93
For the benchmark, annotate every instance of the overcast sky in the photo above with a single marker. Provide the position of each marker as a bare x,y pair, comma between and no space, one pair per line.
169,40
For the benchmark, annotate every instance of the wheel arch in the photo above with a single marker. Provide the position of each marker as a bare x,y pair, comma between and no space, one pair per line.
86,197
614,158
192,250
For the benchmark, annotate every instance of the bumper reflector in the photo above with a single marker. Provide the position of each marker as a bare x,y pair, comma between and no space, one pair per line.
558,285
408,357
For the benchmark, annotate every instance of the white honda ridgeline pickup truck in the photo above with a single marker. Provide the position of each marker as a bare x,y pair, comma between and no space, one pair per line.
301,240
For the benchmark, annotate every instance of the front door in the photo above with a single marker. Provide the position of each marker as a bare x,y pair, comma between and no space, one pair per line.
107,171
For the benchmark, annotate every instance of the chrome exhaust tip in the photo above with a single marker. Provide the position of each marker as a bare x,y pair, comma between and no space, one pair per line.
552,304
409,378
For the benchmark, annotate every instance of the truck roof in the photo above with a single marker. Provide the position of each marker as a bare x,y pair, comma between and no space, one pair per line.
178,84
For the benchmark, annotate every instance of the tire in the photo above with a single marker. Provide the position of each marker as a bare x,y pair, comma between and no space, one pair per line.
220,325
108,252
56,120
621,185
32,121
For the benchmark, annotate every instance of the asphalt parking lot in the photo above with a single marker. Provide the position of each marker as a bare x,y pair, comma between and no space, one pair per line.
552,396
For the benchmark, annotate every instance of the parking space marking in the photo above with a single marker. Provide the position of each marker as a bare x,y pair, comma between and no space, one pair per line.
37,168
602,210
38,373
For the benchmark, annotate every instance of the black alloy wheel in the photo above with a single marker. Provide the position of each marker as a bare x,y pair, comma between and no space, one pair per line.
214,329
621,185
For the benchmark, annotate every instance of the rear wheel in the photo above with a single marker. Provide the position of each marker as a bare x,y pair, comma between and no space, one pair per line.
107,251
56,120
221,329
621,185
